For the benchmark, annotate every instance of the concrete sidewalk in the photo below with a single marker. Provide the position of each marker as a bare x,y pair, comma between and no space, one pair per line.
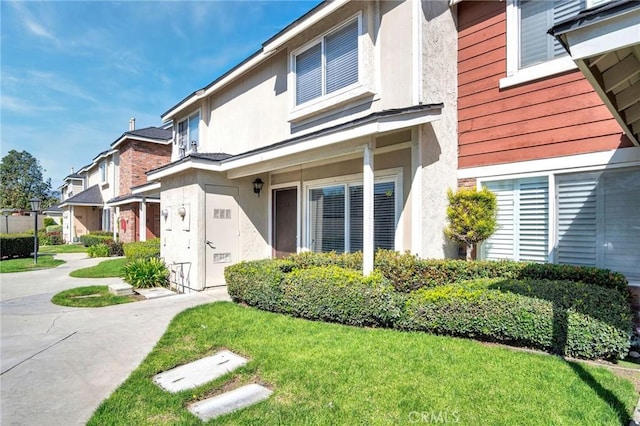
59,363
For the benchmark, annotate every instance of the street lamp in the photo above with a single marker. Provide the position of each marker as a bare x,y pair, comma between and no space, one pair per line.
35,207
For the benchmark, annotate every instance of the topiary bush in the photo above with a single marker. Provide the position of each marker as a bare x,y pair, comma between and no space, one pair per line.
335,294
142,249
54,228
146,273
116,248
566,318
99,250
49,221
16,245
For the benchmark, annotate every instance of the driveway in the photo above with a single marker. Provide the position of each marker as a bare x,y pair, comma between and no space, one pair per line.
59,363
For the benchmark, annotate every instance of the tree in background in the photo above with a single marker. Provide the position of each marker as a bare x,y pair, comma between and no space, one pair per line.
21,180
472,216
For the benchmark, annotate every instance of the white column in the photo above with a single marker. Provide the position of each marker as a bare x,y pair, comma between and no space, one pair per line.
367,214
416,193
142,219
72,224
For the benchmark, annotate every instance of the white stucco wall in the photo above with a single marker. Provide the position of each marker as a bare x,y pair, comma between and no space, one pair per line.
439,139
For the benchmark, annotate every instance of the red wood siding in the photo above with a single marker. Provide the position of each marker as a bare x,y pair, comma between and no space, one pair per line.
556,116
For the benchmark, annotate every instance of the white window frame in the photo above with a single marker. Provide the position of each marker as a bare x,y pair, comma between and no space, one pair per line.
515,75
186,119
103,169
389,175
355,91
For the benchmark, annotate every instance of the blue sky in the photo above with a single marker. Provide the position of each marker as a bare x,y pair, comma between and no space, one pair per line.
74,72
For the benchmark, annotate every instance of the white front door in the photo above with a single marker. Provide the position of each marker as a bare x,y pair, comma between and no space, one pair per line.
222,231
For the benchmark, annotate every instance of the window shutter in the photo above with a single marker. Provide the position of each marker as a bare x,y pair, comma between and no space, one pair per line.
620,198
309,74
577,221
341,56
533,220
501,244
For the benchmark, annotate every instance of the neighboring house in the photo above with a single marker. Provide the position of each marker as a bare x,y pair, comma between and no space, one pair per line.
338,134
98,196
554,136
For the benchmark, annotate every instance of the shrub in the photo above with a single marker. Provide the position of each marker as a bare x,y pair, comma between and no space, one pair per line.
146,273
54,228
102,233
335,294
16,245
99,250
48,221
46,238
257,283
142,249
116,248
89,240
567,318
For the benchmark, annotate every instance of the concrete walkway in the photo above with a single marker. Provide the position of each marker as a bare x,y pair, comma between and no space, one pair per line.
59,363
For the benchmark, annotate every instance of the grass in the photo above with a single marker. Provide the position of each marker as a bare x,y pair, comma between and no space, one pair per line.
26,264
333,374
105,269
94,296
63,248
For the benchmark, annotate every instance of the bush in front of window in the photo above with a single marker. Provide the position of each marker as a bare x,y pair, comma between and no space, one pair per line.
562,317
523,304
142,249
89,240
335,294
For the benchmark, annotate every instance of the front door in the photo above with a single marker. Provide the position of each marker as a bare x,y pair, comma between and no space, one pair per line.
285,220
222,231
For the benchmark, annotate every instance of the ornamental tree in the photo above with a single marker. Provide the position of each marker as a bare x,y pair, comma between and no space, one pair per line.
472,216
21,179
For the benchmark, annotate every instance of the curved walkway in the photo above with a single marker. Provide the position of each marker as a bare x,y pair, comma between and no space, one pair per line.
58,363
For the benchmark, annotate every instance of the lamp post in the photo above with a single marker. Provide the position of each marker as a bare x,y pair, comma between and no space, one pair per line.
6,220
35,208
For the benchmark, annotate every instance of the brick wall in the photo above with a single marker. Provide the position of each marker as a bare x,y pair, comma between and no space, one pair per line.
136,158
467,183
128,222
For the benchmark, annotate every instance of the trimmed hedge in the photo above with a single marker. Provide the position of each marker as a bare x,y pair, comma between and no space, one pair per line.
562,317
16,245
142,249
89,240
587,316
335,294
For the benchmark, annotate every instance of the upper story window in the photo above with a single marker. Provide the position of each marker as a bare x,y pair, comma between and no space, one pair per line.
531,52
188,134
103,171
328,65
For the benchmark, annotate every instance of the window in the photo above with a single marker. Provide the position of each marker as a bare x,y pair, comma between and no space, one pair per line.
336,217
106,220
103,171
328,65
531,52
188,137
593,220
523,220
596,221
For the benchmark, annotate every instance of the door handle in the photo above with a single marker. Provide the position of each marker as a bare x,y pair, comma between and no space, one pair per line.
210,244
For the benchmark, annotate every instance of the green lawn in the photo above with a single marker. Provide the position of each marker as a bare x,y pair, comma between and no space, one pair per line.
338,375
104,269
63,248
94,296
26,264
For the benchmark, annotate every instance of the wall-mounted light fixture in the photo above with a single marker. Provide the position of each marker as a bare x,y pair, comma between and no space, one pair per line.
182,211
165,213
257,186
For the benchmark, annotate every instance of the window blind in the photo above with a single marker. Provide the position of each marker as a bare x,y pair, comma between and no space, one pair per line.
309,74
341,56
326,217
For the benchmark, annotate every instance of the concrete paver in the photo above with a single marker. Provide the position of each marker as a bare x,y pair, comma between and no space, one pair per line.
59,363
229,402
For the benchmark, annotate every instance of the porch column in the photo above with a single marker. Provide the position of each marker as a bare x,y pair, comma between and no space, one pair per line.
72,224
416,192
367,214
143,219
